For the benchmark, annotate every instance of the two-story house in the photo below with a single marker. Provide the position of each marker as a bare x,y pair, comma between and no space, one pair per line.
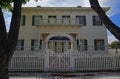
58,34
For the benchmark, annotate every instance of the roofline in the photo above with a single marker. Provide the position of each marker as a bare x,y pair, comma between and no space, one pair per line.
63,8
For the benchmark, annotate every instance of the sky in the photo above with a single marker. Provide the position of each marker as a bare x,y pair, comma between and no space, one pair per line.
113,13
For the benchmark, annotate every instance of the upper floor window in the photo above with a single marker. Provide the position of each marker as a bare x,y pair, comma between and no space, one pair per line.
81,20
97,21
20,45
23,19
36,20
99,44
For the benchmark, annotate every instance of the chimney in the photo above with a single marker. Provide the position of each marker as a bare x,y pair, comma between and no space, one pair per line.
79,6
39,6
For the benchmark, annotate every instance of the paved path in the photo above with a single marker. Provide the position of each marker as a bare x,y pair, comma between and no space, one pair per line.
100,75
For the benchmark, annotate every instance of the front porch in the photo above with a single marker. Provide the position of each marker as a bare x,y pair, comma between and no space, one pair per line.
61,52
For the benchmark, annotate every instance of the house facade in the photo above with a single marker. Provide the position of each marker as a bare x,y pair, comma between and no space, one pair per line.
60,34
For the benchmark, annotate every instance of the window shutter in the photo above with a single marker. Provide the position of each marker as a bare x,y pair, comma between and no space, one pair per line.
32,45
103,44
85,45
22,44
24,19
94,20
78,47
84,20
33,20
77,42
95,44
40,44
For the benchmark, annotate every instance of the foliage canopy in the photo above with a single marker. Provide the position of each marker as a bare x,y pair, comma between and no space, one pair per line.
115,44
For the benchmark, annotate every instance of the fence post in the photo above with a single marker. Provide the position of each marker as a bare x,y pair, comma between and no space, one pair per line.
114,63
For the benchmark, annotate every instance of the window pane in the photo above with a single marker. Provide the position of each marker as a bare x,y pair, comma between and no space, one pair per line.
35,44
97,20
20,45
36,20
83,44
23,18
99,44
81,20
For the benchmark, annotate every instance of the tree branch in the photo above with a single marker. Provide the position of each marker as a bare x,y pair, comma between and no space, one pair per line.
114,29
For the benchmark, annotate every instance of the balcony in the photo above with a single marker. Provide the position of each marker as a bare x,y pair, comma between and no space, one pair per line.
49,22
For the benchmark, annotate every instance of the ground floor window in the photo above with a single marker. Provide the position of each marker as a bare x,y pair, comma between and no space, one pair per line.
36,44
82,45
20,45
99,44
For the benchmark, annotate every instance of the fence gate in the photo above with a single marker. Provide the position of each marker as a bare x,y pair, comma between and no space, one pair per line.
58,62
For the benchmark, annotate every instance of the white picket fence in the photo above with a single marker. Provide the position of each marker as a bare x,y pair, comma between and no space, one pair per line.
64,63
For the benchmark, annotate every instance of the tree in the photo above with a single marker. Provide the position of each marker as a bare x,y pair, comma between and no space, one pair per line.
8,42
115,44
114,29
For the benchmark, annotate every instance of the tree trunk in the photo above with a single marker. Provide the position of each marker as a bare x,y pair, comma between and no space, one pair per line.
3,56
8,44
114,29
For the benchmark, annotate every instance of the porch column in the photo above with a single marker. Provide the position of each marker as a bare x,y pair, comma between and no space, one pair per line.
46,68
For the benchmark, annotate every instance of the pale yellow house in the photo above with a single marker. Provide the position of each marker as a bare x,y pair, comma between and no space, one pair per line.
58,34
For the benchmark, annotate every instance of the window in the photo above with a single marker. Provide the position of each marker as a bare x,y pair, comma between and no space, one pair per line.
20,45
99,44
23,18
82,45
97,21
65,19
36,45
36,20
81,20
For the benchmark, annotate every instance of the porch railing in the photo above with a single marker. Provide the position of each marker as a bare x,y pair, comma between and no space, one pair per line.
58,21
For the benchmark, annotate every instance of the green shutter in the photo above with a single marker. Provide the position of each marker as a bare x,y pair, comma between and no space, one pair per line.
84,20
22,44
33,20
103,45
23,22
32,44
95,44
77,42
94,20
40,44
78,46
85,45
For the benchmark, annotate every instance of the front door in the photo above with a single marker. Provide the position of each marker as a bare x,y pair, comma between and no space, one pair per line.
59,46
